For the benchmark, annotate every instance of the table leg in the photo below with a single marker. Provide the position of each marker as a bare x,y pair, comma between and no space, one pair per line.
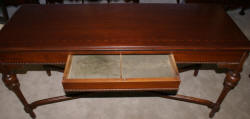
12,83
178,1
196,69
48,69
230,82
242,11
136,1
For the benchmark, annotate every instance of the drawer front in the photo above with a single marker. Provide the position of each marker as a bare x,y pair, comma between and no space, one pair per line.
76,85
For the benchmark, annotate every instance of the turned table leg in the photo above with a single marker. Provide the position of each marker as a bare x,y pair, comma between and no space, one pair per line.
48,69
136,1
196,69
230,82
242,11
12,83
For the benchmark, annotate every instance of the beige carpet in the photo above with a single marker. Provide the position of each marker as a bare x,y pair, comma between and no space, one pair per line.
37,85
1,25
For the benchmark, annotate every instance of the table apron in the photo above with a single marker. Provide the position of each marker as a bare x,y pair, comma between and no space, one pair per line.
180,56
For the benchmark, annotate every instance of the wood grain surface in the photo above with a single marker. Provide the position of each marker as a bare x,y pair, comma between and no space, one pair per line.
121,27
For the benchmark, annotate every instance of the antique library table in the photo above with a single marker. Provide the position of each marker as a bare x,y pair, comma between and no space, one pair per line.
186,34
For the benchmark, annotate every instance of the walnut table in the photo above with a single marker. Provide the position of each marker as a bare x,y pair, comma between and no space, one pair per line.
47,34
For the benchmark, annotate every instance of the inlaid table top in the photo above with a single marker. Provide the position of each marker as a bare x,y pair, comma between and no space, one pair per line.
121,27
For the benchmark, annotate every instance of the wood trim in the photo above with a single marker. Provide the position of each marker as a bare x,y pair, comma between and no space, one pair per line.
173,64
67,67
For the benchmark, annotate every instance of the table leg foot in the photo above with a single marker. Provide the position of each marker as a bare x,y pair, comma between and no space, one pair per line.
12,83
215,109
47,69
48,72
242,11
196,69
136,1
231,80
29,110
178,1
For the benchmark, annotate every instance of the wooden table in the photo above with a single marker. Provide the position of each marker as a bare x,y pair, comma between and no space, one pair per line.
40,34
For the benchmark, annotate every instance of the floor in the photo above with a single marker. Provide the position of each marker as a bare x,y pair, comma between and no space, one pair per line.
208,84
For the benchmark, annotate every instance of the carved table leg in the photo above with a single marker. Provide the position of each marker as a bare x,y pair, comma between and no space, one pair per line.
136,1
230,82
178,1
12,83
242,11
196,68
48,69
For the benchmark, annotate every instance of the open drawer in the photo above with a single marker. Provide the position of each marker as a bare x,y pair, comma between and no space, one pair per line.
120,73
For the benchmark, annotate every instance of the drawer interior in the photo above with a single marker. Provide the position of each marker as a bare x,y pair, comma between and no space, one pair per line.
148,66
120,72
94,66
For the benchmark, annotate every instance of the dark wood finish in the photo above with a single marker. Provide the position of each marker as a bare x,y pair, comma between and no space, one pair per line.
35,104
190,99
207,35
55,57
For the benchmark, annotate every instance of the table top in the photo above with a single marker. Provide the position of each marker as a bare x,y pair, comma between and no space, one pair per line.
121,27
